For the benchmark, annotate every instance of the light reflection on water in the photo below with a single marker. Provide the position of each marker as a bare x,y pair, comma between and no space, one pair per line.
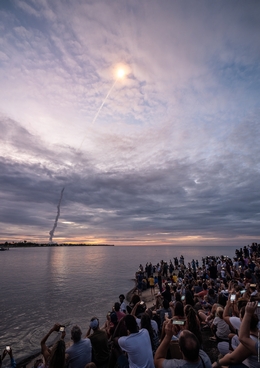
41,286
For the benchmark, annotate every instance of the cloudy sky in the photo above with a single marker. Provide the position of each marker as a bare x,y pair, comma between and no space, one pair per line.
173,155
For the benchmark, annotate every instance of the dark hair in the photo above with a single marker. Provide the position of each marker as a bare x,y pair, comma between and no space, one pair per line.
222,300
121,296
76,333
113,317
146,323
189,345
177,296
135,299
165,303
211,292
189,298
117,306
178,309
57,357
192,323
131,324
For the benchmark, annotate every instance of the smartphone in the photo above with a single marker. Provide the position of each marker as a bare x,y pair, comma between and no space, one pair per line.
243,291
183,297
178,322
233,297
141,303
62,328
8,348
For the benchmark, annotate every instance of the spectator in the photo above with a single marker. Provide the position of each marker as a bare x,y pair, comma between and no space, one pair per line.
111,323
137,345
119,314
99,342
192,322
220,327
8,351
80,353
54,358
151,284
189,345
165,311
248,347
122,303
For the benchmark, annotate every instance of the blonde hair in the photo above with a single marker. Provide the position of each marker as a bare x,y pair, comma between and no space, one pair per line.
219,312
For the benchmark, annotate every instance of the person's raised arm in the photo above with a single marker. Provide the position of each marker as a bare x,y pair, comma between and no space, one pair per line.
161,352
45,351
13,362
237,356
244,331
226,316
135,309
2,357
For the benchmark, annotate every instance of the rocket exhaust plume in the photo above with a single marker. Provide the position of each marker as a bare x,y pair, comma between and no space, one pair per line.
57,217
120,74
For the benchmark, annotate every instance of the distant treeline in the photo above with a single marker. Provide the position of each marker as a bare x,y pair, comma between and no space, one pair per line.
30,244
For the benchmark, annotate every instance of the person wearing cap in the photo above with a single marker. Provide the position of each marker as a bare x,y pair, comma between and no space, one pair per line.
80,353
99,341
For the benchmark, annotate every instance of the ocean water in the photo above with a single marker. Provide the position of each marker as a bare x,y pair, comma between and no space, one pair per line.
69,285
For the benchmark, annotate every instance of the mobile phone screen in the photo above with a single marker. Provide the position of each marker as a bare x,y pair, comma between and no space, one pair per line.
177,322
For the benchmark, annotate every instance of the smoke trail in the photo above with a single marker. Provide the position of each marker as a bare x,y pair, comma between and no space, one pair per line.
57,217
95,118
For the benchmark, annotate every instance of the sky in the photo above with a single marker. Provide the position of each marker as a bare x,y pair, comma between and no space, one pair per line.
167,155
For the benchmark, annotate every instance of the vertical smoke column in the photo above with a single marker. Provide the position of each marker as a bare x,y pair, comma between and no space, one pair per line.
57,217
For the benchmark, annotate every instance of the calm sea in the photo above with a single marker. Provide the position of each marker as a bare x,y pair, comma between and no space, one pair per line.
69,285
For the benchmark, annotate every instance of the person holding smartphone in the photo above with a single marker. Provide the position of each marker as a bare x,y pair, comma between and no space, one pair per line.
8,350
54,358
192,355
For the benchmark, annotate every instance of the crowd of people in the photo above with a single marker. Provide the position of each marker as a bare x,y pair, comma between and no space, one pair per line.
220,295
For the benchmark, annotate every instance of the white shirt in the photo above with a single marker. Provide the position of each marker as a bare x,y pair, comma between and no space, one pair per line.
139,349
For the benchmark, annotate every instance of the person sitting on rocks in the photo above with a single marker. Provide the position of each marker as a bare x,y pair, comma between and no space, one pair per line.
80,353
99,342
55,357
122,303
110,324
118,312
193,356
219,327
249,343
137,345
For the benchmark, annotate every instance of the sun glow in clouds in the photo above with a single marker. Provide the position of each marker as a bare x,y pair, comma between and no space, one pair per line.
120,73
